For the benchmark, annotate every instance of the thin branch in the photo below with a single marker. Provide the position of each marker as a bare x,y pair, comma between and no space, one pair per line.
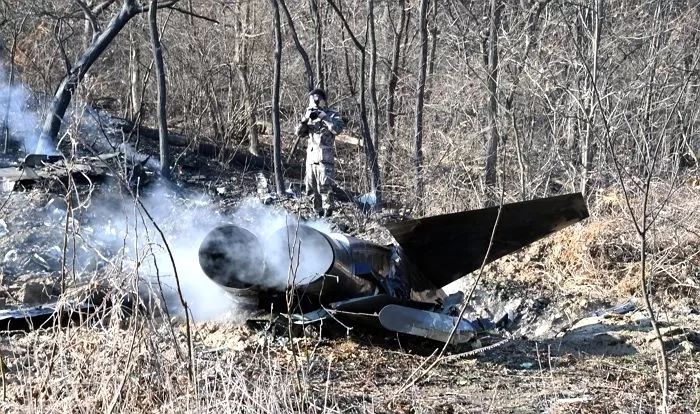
166,4
61,48
102,7
193,14
90,16
299,47
357,43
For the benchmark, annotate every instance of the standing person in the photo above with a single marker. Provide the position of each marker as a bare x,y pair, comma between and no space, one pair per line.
320,124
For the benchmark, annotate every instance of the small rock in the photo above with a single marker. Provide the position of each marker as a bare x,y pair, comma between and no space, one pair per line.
671,330
56,203
36,293
689,348
640,320
693,337
610,338
7,185
543,328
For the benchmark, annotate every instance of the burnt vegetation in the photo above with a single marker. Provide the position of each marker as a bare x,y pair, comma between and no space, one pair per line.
164,117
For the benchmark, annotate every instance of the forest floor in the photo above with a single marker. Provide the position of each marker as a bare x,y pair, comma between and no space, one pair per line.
569,353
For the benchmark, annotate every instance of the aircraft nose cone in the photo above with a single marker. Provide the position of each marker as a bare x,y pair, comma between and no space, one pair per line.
232,257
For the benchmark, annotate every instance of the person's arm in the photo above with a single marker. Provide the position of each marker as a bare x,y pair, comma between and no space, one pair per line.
333,122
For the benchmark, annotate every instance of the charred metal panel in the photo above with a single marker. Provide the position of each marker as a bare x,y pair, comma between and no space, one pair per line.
447,247
431,325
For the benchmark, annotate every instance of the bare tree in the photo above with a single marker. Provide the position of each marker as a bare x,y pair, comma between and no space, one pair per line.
277,146
373,75
531,24
297,43
432,56
64,93
420,96
318,42
587,147
10,81
241,61
370,151
492,86
134,76
398,31
160,78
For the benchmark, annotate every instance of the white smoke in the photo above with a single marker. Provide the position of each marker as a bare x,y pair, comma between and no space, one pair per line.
114,226
291,258
21,122
185,221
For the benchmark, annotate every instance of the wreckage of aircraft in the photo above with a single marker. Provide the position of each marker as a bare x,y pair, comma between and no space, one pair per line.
397,287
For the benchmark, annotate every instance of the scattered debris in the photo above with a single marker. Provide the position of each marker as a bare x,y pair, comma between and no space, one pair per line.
629,306
48,314
36,170
38,160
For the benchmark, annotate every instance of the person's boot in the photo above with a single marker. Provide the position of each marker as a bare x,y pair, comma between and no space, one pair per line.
320,213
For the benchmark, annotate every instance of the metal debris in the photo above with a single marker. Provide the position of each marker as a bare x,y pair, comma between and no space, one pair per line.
397,287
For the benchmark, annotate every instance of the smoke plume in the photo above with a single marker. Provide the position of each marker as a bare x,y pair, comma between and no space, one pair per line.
21,123
186,219
112,229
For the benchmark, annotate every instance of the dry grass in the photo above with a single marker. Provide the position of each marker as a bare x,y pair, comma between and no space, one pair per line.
600,257
88,369
110,369
135,364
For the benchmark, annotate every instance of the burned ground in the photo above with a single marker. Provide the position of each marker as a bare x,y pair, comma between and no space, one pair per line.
567,350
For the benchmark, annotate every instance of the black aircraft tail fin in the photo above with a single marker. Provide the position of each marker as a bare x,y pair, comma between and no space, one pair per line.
447,247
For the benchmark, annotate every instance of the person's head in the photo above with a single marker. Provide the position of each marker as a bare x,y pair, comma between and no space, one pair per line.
317,98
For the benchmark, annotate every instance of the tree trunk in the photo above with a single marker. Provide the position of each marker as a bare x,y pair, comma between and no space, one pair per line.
134,77
348,74
531,22
433,50
64,93
373,76
241,58
492,84
587,147
10,82
277,145
420,96
160,78
391,87
318,43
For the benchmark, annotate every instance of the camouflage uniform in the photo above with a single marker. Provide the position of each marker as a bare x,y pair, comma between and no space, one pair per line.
319,158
